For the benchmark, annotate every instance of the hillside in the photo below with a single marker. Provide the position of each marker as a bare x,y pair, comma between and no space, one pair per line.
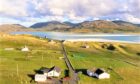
52,26
122,61
6,28
100,26
107,27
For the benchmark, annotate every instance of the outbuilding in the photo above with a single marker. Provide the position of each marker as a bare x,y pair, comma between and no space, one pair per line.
86,46
25,49
98,73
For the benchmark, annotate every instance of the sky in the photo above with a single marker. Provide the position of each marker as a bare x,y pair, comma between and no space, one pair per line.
28,12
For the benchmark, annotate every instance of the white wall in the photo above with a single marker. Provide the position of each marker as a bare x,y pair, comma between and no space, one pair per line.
90,73
52,73
41,78
103,76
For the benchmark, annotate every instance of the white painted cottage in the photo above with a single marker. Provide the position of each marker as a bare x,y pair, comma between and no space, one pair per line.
25,49
40,78
98,73
9,49
52,72
52,42
85,46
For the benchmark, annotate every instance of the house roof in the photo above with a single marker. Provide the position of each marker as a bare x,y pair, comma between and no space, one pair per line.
46,70
99,71
92,69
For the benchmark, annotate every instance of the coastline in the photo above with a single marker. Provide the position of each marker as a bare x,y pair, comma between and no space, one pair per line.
82,37
100,40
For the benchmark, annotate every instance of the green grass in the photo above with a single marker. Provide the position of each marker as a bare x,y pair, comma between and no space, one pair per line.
26,65
124,60
40,55
126,68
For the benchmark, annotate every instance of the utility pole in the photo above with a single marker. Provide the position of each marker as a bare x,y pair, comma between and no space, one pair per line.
51,61
42,57
17,70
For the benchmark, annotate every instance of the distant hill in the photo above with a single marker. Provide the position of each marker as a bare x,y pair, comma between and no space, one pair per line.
97,26
137,25
53,25
101,26
6,28
107,27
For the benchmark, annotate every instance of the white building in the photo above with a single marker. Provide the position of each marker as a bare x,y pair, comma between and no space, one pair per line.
52,42
9,49
25,49
52,72
98,73
40,78
86,46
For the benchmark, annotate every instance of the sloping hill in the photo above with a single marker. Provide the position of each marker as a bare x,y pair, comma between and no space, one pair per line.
53,25
107,27
6,28
122,62
98,26
101,26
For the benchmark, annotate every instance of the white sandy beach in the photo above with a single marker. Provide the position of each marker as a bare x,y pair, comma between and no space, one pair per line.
99,40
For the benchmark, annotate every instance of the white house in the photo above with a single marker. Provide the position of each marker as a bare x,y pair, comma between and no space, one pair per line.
86,46
52,72
52,42
90,72
25,49
98,73
9,49
40,78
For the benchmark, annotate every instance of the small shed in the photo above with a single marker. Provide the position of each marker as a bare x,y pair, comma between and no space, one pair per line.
8,49
25,49
52,42
40,78
61,58
86,46
98,73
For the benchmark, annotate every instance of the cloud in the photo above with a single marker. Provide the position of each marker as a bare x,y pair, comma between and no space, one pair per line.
69,10
13,8
134,7
76,7
132,18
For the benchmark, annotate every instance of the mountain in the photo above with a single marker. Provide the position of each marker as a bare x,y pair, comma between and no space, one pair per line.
44,24
101,26
52,25
71,24
97,26
138,25
106,27
12,28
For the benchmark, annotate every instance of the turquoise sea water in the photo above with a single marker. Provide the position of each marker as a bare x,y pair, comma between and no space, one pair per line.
69,36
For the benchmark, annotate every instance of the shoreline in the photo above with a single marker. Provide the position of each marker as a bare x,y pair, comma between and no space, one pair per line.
79,37
100,40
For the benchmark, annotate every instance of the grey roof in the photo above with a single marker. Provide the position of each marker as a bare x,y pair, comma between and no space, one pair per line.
99,71
46,70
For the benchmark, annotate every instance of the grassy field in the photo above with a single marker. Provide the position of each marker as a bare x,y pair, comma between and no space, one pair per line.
15,65
122,61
